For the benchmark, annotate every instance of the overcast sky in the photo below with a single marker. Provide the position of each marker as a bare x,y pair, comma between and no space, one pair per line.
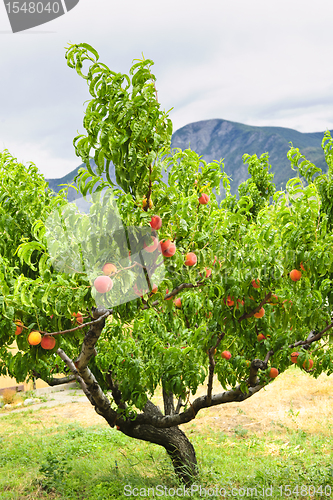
258,62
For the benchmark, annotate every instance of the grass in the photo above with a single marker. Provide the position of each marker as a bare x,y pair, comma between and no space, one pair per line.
251,445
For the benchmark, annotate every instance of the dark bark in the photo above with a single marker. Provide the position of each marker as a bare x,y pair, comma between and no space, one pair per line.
151,424
63,380
173,440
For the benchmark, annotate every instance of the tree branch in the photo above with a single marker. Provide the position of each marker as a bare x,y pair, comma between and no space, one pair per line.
73,369
91,338
257,309
169,408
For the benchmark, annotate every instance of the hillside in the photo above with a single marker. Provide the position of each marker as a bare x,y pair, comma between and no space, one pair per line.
217,139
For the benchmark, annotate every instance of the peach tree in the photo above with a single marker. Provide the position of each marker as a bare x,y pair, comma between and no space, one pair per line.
157,286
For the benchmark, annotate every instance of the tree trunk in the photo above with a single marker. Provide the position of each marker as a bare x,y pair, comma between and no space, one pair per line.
173,440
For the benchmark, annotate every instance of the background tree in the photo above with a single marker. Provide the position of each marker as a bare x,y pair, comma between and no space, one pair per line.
247,285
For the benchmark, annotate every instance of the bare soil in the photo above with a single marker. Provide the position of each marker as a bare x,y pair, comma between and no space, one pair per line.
294,399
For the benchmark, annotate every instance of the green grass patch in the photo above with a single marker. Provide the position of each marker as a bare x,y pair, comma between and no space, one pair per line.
42,459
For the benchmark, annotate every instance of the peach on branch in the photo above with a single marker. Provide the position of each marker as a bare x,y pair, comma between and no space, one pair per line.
178,302
226,355
260,337
308,364
103,284
260,313
19,327
255,283
294,356
207,273
109,269
190,259
79,317
154,288
156,222
170,251
204,199
48,342
273,372
230,301
34,337
295,275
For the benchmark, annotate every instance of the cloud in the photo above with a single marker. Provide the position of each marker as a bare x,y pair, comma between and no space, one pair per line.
258,62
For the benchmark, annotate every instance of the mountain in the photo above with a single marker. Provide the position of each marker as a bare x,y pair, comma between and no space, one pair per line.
217,139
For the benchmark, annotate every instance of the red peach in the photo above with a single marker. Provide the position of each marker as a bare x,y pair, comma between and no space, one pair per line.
178,302
204,199
294,356
19,327
295,275
260,313
156,222
48,342
255,283
170,251
191,259
226,355
103,284
273,373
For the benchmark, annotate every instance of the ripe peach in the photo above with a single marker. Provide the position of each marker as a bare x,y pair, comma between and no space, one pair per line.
260,337
19,327
152,247
308,364
156,222
79,317
191,259
48,342
109,268
226,355
170,251
255,283
295,275
34,337
164,245
230,301
260,313
178,302
103,284
154,288
294,356
204,199
274,372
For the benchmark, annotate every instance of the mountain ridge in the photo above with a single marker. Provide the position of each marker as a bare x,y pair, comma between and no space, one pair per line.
217,139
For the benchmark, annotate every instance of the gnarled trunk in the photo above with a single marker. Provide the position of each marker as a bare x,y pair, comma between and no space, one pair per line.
173,440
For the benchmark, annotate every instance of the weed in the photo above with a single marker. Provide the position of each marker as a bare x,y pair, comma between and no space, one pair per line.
53,471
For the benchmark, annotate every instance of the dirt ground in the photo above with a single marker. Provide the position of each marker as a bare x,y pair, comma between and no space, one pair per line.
294,399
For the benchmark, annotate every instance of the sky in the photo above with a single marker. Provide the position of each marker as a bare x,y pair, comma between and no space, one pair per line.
257,62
